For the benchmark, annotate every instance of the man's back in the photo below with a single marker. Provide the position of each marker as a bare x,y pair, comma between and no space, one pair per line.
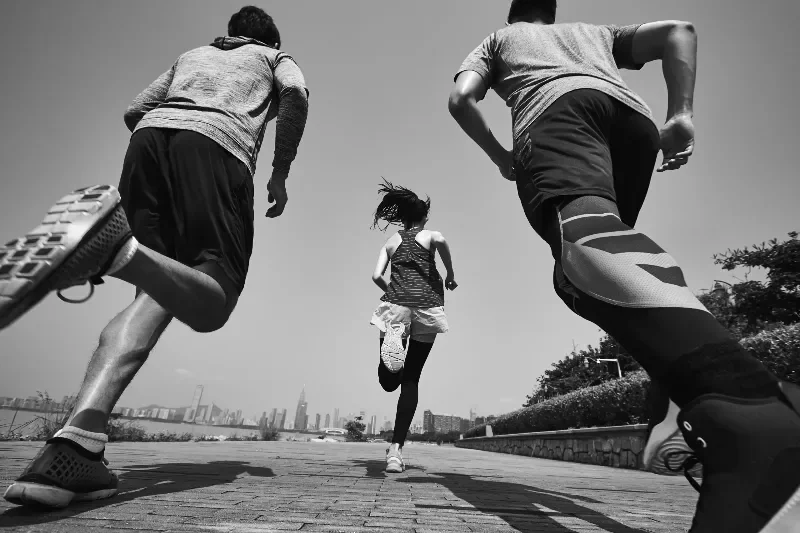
531,65
226,91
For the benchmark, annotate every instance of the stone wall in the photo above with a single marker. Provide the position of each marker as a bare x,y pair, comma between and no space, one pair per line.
618,446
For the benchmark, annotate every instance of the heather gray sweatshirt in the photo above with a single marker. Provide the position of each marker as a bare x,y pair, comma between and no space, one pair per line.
228,91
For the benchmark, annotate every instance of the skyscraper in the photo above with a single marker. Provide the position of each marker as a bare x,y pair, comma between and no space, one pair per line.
282,420
272,416
427,421
300,414
316,425
336,418
373,425
328,420
191,413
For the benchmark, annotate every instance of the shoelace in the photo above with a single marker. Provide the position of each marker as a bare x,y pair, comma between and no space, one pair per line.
690,462
95,280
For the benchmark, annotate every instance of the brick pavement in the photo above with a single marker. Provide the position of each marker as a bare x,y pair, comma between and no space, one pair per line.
293,486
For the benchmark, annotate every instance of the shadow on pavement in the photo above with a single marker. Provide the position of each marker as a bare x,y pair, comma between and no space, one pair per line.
513,503
140,481
377,468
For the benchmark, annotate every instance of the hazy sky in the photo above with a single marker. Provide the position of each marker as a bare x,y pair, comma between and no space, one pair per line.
379,73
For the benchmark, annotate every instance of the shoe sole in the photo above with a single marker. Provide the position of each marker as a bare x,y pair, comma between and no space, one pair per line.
62,247
395,468
391,358
787,520
35,494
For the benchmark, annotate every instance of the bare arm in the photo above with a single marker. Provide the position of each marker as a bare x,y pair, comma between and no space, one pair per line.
149,99
470,89
675,44
380,269
443,248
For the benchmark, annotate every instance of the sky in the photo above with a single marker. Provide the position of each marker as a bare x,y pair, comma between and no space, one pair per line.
379,74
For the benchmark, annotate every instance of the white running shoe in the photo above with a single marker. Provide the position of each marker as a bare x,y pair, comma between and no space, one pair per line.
666,449
393,354
394,461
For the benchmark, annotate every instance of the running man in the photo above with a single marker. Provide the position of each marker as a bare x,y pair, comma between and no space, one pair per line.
180,230
585,146
411,312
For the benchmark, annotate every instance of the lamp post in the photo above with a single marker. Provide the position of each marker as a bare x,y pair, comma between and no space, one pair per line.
619,367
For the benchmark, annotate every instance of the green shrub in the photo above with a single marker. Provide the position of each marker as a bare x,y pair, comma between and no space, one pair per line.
268,433
612,403
779,350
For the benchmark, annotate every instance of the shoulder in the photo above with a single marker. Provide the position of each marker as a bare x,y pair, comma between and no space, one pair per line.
394,240
435,236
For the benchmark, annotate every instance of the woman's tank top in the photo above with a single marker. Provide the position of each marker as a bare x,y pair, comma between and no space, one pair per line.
414,281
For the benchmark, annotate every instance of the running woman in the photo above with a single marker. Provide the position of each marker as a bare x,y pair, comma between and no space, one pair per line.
584,149
411,312
180,229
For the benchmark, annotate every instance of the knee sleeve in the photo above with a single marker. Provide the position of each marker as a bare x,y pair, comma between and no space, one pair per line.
608,260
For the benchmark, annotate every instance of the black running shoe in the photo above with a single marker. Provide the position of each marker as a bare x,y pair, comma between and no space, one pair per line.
61,473
75,243
750,451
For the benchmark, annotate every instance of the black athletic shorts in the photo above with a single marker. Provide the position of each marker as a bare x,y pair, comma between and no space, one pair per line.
189,199
585,143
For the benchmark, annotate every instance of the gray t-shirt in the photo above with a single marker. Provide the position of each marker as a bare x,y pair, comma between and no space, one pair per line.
531,65
228,91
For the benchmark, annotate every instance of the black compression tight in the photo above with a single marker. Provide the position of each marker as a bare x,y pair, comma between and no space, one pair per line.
408,381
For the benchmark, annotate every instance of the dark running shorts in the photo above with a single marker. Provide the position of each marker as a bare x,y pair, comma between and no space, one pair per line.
189,199
585,143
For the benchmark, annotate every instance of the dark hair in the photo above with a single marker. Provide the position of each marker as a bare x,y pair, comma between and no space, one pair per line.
544,9
254,22
399,206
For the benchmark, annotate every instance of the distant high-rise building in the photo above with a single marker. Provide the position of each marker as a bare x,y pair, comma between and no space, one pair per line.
316,424
472,414
272,416
282,420
191,415
305,423
373,427
300,413
336,418
427,421
327,420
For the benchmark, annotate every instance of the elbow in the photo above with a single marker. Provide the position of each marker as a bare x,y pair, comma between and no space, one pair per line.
130,120
376,277
298,92
457,102
685,27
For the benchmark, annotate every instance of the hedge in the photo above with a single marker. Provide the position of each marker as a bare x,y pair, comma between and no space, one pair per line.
622,401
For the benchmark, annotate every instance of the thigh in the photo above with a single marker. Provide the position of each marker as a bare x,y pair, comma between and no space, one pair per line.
417,356
213,204
144,191
566,151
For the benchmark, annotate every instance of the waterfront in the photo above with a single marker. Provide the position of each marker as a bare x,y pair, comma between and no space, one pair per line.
26,424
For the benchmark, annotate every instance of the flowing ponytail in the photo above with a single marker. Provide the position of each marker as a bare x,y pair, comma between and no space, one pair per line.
399,206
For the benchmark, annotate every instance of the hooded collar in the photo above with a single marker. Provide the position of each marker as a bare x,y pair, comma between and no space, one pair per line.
229,43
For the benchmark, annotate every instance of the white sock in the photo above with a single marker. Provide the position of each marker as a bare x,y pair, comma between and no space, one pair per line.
124,256
92,442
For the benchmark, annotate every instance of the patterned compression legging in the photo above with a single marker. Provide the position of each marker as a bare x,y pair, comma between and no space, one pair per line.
408,381
619,279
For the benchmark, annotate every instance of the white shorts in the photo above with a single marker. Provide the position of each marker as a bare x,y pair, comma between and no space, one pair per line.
418,320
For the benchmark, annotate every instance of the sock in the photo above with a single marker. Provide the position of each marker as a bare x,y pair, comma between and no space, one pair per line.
722,368
89,441
124,256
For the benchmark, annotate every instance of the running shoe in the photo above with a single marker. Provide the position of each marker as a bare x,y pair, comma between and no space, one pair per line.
393,354
666,451
61,473
750,451
75,244
394,461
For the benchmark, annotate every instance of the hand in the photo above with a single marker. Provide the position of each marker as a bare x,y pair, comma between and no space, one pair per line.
276,189
677,142
450,282
505,164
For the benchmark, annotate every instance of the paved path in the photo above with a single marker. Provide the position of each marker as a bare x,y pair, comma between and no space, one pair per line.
293,486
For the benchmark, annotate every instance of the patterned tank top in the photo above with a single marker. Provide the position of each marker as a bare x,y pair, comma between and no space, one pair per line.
414,282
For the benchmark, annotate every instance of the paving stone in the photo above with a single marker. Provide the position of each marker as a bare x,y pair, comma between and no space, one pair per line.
293,486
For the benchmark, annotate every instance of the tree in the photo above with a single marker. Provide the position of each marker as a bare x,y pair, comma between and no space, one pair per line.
749,307
355,430
580,369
